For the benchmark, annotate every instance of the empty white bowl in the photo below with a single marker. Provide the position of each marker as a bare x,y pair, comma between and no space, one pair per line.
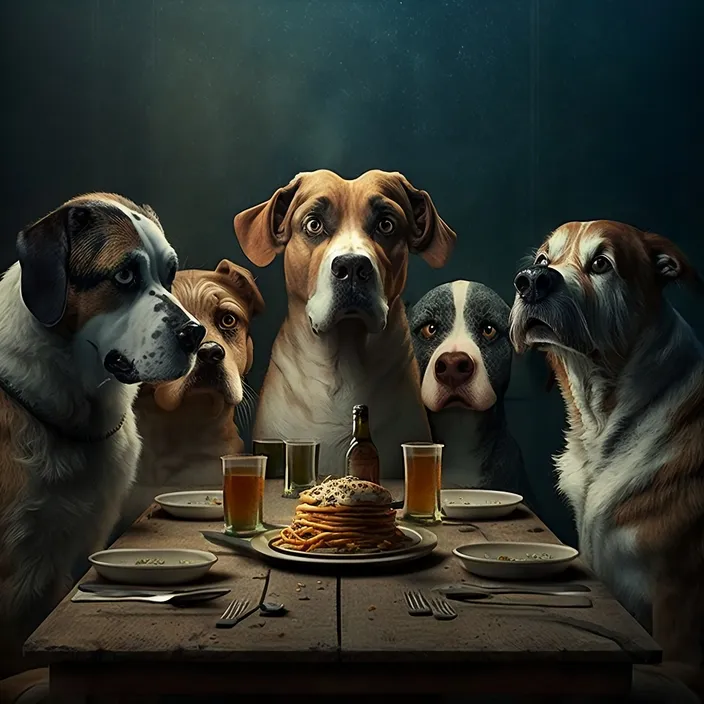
152,566
477,504
515,560
193,505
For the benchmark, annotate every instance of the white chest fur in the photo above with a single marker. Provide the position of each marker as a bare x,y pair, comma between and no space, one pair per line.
310,389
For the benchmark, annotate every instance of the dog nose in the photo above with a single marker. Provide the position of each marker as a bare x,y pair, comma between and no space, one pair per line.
536,283
211,352
454,369
190,336
117,363
352,266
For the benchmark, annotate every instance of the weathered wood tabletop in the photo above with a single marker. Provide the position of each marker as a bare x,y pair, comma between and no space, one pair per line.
346,633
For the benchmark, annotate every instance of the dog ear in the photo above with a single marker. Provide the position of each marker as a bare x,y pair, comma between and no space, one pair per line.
670,262
43,250
242,281
434,240
264,230
250,355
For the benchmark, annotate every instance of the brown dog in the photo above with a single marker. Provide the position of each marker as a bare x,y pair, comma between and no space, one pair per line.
345,340
631,373
188,424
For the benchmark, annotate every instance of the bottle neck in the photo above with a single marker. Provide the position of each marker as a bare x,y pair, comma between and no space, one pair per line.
360,428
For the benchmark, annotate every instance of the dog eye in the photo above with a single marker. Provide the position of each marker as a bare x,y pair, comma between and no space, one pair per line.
124,277
428,331
489,332
542,260
600,264
386,226
227,321
313,226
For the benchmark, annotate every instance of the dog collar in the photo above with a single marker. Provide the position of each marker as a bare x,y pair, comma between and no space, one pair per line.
17,397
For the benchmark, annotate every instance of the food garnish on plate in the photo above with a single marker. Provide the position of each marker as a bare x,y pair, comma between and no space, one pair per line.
343,515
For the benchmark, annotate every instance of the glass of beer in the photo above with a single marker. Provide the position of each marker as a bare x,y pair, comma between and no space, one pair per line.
243,493
423,466
275,453
301,466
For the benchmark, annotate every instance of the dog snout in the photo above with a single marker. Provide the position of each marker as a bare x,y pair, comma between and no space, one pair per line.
211,352
536,283
454,369
190,336
352,267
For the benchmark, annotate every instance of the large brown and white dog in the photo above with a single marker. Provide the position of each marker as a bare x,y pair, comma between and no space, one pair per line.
85,315
632,376
188,424
345,340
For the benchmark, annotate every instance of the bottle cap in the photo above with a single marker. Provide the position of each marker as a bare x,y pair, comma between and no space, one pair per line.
361,409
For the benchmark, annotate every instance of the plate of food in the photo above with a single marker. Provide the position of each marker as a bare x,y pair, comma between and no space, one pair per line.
515,560
477,504
152,566
345,521
193,505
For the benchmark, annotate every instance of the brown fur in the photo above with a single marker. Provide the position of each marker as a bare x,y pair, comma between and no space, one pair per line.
669,512
351,212
184,415
267,229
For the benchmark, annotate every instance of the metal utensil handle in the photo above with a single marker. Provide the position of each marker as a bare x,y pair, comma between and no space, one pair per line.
229,541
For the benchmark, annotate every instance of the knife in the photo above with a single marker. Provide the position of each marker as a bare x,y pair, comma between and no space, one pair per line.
537,600
469,589
134,590
229,541
176,598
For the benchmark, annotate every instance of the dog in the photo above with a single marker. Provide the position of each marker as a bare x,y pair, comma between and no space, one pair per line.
86,315
631,372
460,339
188,424
345,340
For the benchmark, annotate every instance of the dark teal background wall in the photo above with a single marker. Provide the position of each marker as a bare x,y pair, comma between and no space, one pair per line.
516,115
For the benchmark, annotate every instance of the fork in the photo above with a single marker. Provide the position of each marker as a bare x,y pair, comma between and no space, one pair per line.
441,610
232,613
417,605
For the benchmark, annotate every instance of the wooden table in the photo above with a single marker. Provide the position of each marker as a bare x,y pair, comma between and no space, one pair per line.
344,634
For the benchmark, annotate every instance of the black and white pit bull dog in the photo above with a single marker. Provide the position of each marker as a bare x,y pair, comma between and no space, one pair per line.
460,339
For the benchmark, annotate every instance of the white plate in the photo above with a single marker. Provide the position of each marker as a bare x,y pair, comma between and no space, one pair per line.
425,542
124,566
475,504
192,505
413,540
482,559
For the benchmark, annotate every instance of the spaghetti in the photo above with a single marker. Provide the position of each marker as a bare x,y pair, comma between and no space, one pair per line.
343,515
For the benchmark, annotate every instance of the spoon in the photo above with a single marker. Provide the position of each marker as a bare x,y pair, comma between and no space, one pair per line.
271,608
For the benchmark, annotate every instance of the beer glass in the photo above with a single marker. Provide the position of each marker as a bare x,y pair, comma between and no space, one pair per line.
423,468
275,453
243,493
301,466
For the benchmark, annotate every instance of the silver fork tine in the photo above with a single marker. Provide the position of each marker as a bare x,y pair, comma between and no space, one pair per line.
244,605
417,605
230,610
442,610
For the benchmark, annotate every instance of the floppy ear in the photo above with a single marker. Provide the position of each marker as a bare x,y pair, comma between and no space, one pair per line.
670,262
43,250
242,281
264,230
250,355
433,239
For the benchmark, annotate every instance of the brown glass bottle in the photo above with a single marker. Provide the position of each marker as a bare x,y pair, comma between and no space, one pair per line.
362,460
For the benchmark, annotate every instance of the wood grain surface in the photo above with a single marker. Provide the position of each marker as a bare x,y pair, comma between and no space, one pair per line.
338,618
